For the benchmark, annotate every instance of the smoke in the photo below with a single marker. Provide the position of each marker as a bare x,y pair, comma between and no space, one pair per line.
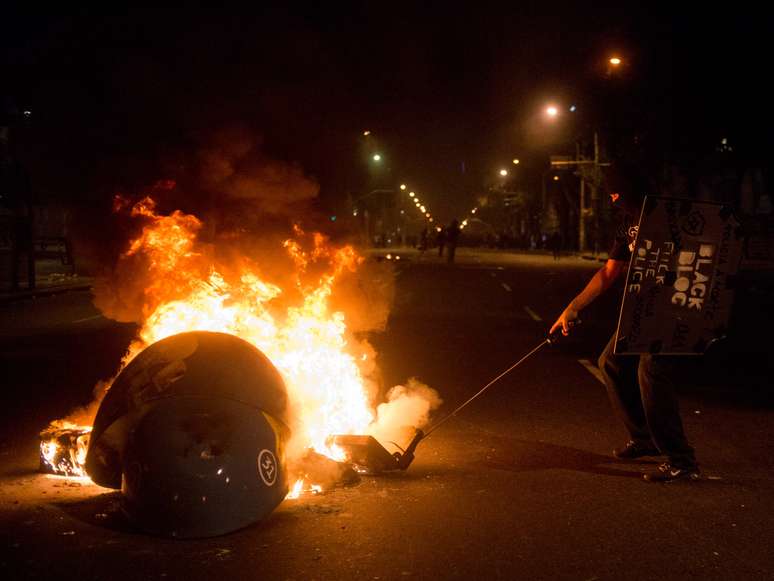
234,205
407,408
84,416
366,296
234,168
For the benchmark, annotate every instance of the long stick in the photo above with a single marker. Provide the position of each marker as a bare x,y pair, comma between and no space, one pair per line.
487,386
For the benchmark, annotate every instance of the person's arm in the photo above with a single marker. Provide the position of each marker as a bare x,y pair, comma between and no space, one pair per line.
599,283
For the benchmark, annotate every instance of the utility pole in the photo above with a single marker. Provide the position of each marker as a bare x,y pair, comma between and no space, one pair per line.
594,179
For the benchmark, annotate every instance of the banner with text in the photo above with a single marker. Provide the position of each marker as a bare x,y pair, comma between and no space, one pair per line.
680,283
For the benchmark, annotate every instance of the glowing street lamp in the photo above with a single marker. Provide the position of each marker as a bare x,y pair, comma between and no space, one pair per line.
615,61
552,111
366,133
503,172
377,157
515,161
411,194
403,186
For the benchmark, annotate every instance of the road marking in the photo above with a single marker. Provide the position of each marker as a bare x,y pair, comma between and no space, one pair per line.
505,286
88,319
593,369
532,313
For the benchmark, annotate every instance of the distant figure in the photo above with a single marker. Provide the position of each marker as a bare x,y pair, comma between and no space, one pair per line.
556,245
452,235
423,241
441,240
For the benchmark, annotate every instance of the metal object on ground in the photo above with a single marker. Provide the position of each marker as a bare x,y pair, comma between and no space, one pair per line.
368,455
193,433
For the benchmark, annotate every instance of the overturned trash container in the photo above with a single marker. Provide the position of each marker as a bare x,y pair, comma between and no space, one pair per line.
192,432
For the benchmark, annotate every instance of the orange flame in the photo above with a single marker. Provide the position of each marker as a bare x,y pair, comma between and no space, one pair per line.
308,342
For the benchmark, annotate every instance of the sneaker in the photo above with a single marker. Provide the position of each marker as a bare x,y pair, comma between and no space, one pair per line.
667,472
634,449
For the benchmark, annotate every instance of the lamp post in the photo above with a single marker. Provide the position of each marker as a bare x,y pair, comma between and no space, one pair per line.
590,174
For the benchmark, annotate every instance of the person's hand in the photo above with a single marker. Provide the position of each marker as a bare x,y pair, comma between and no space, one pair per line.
566,320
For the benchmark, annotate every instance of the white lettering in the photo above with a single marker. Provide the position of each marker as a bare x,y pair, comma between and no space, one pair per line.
686,257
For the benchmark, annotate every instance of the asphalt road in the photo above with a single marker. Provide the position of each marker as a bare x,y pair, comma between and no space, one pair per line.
520,486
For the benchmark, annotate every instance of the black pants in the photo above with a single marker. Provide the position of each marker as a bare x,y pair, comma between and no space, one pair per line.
641,390
450,249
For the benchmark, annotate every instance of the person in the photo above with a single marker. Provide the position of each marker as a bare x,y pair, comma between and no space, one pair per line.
556,245
452,235
440,239
423,241
640,388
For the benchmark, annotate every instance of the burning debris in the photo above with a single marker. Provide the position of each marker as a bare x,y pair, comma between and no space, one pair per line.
315,473
193,432
302,304
368,456
63,447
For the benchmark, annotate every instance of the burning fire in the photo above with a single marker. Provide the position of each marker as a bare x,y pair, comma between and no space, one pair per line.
63,448
324,367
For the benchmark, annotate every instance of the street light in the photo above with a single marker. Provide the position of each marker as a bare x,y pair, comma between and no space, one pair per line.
411,194
615,61
377,157
515,162
552,111
503,172
403,186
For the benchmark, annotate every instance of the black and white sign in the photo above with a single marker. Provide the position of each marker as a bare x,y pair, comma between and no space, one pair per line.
679,287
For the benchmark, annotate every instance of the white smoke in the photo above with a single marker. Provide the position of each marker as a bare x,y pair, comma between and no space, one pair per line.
407,408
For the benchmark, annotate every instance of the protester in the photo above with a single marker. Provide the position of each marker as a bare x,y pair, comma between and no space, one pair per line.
452,235
423,241
556,245
440,239
640,388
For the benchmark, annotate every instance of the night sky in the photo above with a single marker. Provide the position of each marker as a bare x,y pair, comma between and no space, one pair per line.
442,87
